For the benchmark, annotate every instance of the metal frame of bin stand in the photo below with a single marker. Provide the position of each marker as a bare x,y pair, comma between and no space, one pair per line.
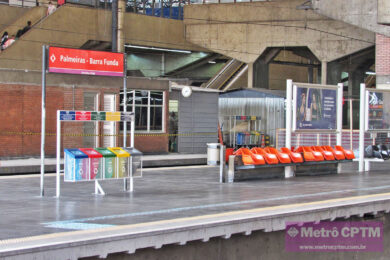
71,116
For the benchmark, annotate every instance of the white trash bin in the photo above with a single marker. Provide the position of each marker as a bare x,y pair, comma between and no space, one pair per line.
213,154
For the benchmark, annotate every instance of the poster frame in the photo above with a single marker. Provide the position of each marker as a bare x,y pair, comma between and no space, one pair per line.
314,86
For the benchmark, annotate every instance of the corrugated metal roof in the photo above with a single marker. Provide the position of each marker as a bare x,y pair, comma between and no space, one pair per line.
254,93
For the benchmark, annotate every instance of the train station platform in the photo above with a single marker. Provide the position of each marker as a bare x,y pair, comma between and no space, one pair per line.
171,206
33,165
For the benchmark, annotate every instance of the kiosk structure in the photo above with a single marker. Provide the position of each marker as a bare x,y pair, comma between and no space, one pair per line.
313,108
374,119
78,159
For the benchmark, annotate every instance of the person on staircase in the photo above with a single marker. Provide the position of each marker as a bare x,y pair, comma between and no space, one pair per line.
50,8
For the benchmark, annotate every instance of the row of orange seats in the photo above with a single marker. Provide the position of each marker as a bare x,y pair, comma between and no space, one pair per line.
270,155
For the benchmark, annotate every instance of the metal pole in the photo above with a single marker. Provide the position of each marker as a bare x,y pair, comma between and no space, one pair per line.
361,126
287,170
222,150
124,98
58,153
339,113
114,21
43,119
124,110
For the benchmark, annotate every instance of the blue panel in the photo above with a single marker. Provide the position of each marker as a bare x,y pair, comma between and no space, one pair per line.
67,115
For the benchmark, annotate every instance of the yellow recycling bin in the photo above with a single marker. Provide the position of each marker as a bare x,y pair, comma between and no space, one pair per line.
121,162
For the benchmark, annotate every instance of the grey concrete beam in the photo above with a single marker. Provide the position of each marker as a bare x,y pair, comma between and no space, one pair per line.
361,13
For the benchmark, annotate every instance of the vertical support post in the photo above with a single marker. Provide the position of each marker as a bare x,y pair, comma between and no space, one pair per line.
362,125
351,122
43,120
288,173
250,75
132,129
222,150
58,154
339,113
324,72
124,98
339,119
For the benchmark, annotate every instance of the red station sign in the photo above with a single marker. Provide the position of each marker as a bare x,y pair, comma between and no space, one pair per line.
75,61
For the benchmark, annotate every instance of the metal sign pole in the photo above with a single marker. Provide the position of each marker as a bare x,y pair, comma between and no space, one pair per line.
43,119
125,110
58,154
362,125
339,110
288,173
124,98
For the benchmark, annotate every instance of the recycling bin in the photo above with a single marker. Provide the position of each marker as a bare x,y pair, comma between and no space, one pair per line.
121,161
108,163
134,162
76,165
95,163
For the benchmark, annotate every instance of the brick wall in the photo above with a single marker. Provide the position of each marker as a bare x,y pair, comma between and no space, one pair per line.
20,115
382,62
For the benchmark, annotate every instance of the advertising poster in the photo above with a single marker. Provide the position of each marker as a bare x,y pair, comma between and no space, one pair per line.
316,109
378,112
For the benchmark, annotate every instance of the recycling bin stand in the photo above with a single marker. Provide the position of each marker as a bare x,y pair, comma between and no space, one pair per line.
95,163
135,162
76,165
121,162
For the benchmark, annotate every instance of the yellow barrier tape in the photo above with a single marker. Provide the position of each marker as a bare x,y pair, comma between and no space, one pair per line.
72,134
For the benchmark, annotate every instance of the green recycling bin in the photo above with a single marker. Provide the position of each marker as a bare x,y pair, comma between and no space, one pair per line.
109,169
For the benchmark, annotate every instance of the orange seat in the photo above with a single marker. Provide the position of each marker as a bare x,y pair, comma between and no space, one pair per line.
348,153
317,155
339,155
269,158
229,151
249,157
282,157
327,154
307,155
295,157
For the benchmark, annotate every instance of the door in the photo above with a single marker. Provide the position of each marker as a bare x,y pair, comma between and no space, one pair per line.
108,126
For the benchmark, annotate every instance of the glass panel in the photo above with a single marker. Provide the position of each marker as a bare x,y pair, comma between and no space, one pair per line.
156,118
141,118
156,98
141,97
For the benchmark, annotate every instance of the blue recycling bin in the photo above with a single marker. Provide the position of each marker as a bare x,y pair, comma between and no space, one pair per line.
76,165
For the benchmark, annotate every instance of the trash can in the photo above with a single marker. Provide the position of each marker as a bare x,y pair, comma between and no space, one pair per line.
135,162
108,162
212,154
95,163
122,158
76,165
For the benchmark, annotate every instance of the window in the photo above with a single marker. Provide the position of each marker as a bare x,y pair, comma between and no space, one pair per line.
148,107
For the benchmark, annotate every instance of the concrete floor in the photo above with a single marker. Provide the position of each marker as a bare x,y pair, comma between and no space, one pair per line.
161,194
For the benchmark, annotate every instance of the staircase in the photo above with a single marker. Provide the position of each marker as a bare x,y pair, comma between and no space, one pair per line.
226,77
